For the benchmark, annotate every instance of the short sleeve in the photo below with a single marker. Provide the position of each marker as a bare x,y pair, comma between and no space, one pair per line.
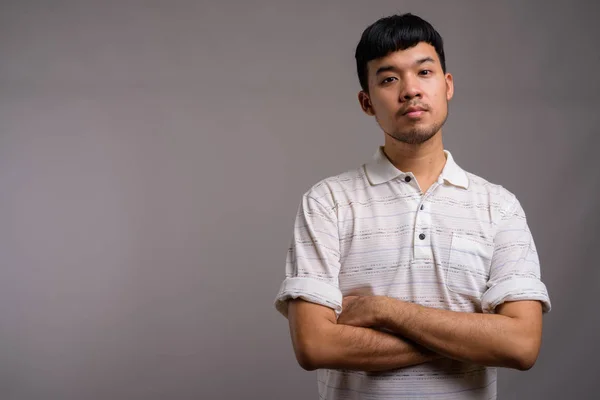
313,258
515,268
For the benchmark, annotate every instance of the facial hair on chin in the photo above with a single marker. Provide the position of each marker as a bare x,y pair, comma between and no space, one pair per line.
415,136
418,135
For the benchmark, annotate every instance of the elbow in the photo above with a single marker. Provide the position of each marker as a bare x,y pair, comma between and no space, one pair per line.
525,362
310,349
306,361
310,329
525,356
308,356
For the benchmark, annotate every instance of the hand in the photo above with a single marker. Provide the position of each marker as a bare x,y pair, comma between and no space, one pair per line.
359,311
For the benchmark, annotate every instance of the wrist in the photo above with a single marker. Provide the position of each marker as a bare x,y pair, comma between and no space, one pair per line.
381,311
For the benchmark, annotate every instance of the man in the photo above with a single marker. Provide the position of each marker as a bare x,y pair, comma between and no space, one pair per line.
409,277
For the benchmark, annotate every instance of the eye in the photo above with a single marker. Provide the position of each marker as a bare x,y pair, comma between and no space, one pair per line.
425,72
389,79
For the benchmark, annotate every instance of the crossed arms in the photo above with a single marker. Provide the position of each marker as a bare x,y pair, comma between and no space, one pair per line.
377,333
510,338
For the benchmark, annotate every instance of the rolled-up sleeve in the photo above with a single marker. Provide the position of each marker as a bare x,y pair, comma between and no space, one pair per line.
515,268
313,258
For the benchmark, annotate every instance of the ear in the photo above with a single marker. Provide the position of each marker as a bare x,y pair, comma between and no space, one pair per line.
365,103
449,86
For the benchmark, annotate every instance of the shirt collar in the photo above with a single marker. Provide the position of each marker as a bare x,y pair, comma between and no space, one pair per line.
381,170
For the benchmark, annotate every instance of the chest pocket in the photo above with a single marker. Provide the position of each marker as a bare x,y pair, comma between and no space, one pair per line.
468,265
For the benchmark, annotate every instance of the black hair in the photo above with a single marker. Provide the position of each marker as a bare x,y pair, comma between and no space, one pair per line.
389,34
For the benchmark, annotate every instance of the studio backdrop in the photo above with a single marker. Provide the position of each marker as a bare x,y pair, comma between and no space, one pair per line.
153,155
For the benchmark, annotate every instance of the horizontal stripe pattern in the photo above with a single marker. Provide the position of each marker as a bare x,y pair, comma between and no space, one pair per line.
464,245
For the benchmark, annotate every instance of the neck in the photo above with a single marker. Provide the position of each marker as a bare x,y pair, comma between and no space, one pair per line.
426,160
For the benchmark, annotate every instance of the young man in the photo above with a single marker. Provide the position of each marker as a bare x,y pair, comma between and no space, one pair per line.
410,277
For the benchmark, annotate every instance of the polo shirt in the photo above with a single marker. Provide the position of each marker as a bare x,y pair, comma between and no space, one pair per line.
463,245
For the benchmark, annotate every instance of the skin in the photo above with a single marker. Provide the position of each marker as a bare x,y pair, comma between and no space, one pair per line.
411,77
510,338
413,334
321,342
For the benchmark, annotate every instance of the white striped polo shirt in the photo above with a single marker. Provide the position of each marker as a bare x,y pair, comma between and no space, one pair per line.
464,245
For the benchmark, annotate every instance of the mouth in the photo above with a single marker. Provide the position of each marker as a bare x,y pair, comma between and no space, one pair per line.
414,112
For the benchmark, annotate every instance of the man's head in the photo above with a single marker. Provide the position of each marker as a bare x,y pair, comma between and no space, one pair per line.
402,72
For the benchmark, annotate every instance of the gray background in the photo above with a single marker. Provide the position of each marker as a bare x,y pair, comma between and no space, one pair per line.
153,155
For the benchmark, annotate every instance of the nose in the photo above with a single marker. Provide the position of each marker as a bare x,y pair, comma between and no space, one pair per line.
410,89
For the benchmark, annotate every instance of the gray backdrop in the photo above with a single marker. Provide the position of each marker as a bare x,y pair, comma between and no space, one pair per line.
153,155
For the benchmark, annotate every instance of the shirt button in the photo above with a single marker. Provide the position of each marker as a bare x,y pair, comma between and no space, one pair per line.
407,179
422,236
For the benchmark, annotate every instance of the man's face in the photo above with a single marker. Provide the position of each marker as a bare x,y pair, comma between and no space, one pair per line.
408,93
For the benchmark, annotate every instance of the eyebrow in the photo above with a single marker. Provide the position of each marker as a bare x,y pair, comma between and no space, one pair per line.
386,68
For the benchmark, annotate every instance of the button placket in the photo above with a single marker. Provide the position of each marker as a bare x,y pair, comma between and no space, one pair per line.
422,233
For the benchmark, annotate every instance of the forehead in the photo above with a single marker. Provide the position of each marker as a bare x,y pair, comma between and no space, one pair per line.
404,59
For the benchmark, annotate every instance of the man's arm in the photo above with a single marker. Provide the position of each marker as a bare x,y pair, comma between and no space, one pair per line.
312,269
320,342
508,332
511,338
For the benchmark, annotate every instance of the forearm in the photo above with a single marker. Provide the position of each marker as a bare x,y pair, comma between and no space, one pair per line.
486,339
365,349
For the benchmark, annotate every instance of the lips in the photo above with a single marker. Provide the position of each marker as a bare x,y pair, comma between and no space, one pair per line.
414,110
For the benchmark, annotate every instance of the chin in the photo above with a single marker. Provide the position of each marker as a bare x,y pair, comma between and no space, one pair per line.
412,137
